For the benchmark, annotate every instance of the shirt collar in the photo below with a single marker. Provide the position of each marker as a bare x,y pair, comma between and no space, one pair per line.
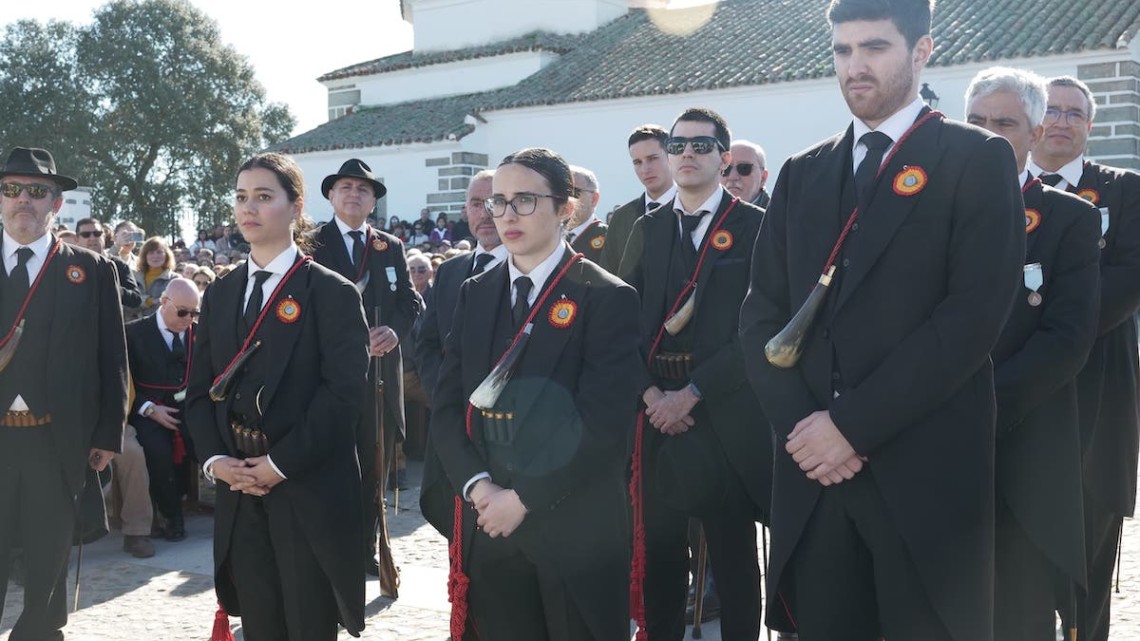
1070,171
577,231
1026,176
38,246
709,206
541,273
279,265
895,126
669,194
161,323
344,228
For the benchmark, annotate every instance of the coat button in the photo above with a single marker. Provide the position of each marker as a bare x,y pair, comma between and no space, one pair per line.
846,262
835,376
826,333
854,226
237,397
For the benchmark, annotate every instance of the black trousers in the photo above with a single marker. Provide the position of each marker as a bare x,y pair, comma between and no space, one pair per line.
851,574
283,594
37,514
1102,535
158,449
513,599
731,540
1025,582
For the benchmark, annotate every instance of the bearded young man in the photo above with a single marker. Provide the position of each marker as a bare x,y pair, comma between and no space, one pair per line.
883,490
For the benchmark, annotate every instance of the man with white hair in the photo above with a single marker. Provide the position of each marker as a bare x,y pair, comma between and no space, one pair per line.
585,233
746,175
1038,533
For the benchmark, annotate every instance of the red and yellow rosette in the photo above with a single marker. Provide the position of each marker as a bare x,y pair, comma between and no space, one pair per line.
722,240
379,244
562,313
598,242
76,274
1032,220
1091,195
910,181
288,311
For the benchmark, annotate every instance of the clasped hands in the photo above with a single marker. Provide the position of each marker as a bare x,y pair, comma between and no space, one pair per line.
500,510
669,411
253,476
821,450
382,340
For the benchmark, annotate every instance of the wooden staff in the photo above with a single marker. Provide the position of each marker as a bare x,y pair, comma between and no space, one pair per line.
389,575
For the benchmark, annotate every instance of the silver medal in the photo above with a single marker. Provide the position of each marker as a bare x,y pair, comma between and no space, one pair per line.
1103,226
180,395
1034,279
391,273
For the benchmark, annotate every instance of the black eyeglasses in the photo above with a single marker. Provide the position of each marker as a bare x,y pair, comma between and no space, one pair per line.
90,234
192,313
1075,117
742,168
675,145
35,192
523,204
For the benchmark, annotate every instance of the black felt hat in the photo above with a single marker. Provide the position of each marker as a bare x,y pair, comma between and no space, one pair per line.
35,162
354,168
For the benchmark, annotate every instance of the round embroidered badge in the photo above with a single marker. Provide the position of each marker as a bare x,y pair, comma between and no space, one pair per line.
598,243
1032,220
722,240
76,274
1091,195
379,244
910,181
288,311
562,313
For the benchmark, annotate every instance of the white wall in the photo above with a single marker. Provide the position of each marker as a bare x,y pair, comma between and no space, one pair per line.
451,79
452,24
784,118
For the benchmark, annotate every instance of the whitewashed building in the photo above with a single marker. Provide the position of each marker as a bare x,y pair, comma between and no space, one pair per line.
488,77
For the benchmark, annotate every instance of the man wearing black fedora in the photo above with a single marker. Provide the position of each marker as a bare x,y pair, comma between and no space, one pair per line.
61,328
374,260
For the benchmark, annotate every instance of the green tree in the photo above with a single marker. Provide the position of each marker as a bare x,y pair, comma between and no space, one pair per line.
145,104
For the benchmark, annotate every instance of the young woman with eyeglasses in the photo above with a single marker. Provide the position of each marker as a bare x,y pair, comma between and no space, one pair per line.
539,526
277,385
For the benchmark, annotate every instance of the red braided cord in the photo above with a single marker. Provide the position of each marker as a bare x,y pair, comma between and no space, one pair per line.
28,296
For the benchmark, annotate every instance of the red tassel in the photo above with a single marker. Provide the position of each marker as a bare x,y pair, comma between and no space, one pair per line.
221,626
179,448
457,581
637,571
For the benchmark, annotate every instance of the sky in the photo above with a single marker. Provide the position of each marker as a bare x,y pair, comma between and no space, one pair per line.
287,47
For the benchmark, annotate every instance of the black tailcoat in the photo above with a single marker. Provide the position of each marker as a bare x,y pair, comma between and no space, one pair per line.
574,403
925,285
591,243
733,409
436,325
398,300
1036,360
314,393
617,234
1107,386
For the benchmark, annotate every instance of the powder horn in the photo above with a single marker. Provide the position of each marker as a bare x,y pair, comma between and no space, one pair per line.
8,351
224,383
785,348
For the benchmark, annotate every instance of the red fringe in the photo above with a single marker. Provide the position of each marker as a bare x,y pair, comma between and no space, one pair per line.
637,571
179,448
221,626
457,581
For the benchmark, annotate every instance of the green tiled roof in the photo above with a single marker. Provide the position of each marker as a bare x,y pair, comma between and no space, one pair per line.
745,43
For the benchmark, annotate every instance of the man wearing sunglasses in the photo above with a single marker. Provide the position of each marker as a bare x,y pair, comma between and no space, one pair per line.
584,232
706,449
883,491
1106,387
651,164
159,347
745,176
90,235
62,394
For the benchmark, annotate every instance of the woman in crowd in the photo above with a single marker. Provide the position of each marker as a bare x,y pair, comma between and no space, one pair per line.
280,438
442,231
154,268
543,531
202,277
419,235
203,242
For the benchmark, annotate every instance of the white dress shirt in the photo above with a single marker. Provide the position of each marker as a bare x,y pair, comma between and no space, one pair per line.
895,127
573,234
708,207
344,229
39,247
669,194
1070,173
498,255
168,336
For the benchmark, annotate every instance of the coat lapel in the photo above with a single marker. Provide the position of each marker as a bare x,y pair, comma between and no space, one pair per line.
717,247
68,309
281,333
823,209
888,209
336,250
661,229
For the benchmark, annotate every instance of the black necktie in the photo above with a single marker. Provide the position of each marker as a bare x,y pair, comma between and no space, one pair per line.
481,263
651,205
253,307
357,247
177,349
19,276
876,143
689,225
570,237
1051,179
521,307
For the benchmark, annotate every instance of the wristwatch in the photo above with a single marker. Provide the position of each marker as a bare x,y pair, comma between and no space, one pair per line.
149,410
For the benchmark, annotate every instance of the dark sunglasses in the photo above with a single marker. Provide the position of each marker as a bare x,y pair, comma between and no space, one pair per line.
35,192
675,145
742,168
90,234
192,313
418,270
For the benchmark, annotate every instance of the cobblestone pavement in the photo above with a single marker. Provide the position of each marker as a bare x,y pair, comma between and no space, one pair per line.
171,597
